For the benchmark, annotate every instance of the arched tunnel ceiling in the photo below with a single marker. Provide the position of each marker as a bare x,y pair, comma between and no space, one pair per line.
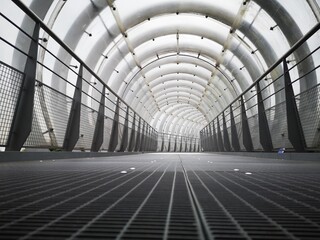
177,63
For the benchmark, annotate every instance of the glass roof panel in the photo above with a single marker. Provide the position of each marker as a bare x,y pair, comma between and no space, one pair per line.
302,14
140,7
118,42
262,22
68,15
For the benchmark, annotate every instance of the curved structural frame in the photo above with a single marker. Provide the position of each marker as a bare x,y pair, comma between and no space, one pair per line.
178,63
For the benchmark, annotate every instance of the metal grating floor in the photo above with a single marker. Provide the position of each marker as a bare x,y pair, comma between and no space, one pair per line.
160,196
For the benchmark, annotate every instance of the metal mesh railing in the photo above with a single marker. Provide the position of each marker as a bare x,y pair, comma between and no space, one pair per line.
11,81
281,109
177,143
68,102
309,112
51,113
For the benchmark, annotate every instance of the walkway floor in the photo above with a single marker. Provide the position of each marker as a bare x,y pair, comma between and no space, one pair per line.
160,196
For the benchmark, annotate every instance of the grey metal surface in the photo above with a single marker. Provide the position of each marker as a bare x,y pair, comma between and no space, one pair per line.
160,196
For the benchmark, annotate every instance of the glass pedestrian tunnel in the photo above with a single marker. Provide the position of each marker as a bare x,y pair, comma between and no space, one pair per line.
160,76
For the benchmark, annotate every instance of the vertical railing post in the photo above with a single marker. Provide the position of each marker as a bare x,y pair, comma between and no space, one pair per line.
226,140
142,144
204,140
137,146
155,143
214,136
207,139
99,128
124,140
190,146
156,135
185,144
201,137
132,135
295,131
150,139
73,128
264,131
220,141
234,134
212,147
162,143
180,150
115,129
247,140
147,141
22,121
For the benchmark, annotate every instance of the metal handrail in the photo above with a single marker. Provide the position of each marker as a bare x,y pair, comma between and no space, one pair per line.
35,18
284,56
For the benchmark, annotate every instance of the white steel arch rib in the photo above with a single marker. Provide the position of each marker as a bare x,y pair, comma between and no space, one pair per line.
139,47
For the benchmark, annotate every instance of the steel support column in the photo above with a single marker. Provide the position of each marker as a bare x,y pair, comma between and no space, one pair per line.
138,140
149,139
211,138
142,144
220,141
264,131
99,128
212,147
124,140
226,140
132,141
214,136
234,134
146,138
162,144
156,141
295,131
186,146
207,140
152,140
115,129
73,128
247,140
22,121
203,142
